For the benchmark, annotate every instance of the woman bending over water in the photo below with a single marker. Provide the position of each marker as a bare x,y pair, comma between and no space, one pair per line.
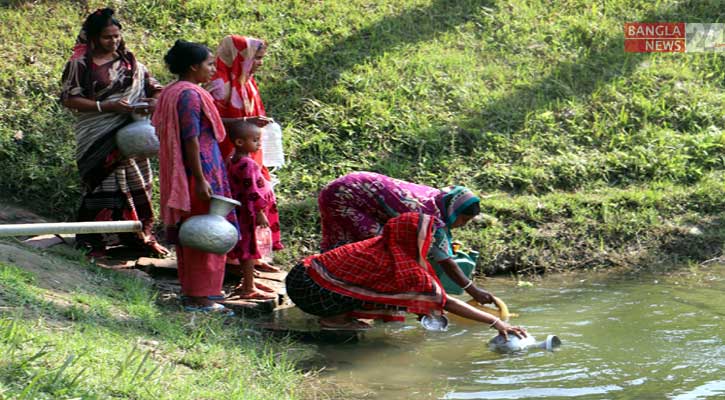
356,206
380,278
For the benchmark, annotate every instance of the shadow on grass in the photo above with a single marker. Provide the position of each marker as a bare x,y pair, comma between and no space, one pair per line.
322,70
605,62
99,308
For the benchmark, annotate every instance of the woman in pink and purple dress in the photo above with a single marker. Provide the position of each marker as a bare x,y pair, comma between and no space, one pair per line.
356,206
191,169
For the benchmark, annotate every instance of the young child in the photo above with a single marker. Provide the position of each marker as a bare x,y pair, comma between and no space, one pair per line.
259,207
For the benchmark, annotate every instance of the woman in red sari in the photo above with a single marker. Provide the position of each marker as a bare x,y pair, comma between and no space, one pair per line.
380,278
236,96
233,87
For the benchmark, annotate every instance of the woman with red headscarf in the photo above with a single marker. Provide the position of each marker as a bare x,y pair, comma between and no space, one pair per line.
235,92
236,96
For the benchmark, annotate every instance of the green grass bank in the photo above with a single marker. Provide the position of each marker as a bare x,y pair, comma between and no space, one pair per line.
71,330
586,156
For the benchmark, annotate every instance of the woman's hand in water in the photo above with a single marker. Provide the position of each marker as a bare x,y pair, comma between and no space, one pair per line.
504,329
480,295
203,190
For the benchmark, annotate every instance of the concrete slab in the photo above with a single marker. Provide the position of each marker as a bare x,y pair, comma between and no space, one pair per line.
291,322
158,267
44,241
249,307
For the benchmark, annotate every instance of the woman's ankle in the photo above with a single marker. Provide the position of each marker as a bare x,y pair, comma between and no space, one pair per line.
201,301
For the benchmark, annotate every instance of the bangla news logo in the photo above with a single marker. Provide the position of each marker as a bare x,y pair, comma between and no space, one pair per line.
673,37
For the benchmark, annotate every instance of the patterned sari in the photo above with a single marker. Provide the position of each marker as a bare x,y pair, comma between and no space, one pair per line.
249,187
380,278
114,188
356,206
184,112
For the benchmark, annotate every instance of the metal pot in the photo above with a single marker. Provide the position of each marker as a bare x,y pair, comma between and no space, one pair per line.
138,140
436,323
211,232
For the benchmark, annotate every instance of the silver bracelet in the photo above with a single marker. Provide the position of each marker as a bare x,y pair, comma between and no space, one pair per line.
495,321
470,282
98,106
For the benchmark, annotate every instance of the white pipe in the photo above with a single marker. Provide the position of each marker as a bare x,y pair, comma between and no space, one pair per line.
70,227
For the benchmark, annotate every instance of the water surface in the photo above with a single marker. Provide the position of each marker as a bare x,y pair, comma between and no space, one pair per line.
624,337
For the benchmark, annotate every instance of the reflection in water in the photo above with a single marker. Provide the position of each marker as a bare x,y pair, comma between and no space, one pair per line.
709,390
639,337
528,393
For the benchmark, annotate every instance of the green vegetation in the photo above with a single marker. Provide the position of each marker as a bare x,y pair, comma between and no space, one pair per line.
93,334
586,157
590,156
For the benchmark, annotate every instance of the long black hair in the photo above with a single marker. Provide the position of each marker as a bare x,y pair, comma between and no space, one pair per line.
183,55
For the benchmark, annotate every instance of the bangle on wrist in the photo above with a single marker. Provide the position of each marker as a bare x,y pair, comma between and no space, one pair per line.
495,321
470,282
98,106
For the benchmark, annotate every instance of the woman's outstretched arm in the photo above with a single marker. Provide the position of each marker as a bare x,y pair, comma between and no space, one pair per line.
462,309
454,272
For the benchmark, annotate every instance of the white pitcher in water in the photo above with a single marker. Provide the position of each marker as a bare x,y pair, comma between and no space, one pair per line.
501,345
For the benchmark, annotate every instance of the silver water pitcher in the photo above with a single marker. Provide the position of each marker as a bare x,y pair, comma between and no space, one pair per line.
211,232
138,139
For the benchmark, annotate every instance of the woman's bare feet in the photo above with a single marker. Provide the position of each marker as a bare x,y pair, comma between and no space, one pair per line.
253,294
264,267
205,305
198,301
263,287
157,249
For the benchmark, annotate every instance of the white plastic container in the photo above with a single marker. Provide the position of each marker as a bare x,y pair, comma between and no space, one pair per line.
272,151
264,243
515,344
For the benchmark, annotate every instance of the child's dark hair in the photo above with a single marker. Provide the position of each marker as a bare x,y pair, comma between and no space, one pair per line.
239,129
472,209
98,20
185,54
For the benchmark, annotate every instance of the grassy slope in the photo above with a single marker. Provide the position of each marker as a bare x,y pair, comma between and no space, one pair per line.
71,330
589,156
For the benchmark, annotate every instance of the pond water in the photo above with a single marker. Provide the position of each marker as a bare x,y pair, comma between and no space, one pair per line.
624,337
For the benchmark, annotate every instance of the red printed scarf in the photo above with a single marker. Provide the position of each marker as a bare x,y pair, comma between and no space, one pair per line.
233,87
